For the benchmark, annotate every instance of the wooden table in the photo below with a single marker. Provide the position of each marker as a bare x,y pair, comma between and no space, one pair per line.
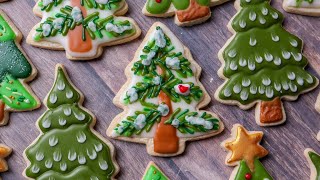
99,80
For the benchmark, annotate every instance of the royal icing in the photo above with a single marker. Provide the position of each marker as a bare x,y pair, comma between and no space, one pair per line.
68,147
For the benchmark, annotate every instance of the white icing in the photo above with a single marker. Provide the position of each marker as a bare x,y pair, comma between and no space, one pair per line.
48,164
173,63
291,75
82,159
132,94
177,90
269,92
53,141
140,122
175,123
252,42
297,56
244,95
262,20
46,2
39,156
62,122
242,24
69,94
53,98
148,60
76,14
81,137
242,62
63,166
46,29
293,87
35,169
277,61
261,89
163,109
252,16
159,38
251,66
46,123
67,111
300,81
232,53
246,82
156,80
57,156
92,155
199,121
227,93
80,116
92,26
237,89
57,23
275,15
233,66
266,81
98,147
268,57
103,165
60,85
264,11
118,29
302,4
277,86
259,59
285,85
286,55
102,1
310,79
275,38
253,89
294,43
72,155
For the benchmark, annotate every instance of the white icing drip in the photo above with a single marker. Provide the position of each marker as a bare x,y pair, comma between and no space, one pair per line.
39,156
293,87
300,81
227,92
237,89
159,38
310,79
82,159
277,86
163,109
46,123
269,92
57,156
261,89
69,94
80,116
62,122
60,85
92,155
232,53
233,66
286,55
242,24
53,98
253,89
252,16
72,155
266,81
277,61
268,57
246,82
103,165
81,137
140,122
117,29
53,141
67,111
275,38
148,60
264,11
251,65
244,95
291,75
173,63
285,85
297,56
63,166
275,15
252,42
262,20
294,43
242,62
48,164
35,169
98,147
259,59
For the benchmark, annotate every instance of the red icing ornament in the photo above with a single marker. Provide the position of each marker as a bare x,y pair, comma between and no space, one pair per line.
248,176
183,88
158,1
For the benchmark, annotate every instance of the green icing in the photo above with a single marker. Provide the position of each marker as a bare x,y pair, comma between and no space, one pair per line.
203,2
153,173
68,149
315,159
155,7
6,33
263,60
260,173
181,4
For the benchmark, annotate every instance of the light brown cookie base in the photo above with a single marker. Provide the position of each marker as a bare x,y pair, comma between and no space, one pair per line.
108,143
119,102
313,171
317,106
301,10
24,82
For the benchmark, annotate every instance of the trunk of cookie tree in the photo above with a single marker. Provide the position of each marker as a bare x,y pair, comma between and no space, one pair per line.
165,139
271,111
194,11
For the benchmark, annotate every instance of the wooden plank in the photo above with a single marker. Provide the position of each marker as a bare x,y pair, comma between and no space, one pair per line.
202,159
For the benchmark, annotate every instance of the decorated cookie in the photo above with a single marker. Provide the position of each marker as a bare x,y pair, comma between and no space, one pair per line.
304,7
153,172
255,72
68,146
244,153
162,97
187,12
82,27
4,152
313,159
15,71
318,104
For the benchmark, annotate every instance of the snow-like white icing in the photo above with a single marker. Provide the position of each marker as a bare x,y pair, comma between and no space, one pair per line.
259,59
46,123
286,55
76,14
72,155
117,28
199,121
252,16
81,137
149,58
102,1
232,53
173,63
98,147
140,121
156,80
103,165
268,57
46,29
159,38
53,98
175,123
60,85
57,23
163,109
242,62
69,94
92,155
67,111
63,166
39,156
48,164
80,116
303,4
82,159
53,141
252,41
35,169
233,66
132,94
62,122
242,24
57,156
92,26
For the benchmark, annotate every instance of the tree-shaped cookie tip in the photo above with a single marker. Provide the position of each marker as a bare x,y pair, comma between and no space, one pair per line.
68,147
154,172
162,96
255,71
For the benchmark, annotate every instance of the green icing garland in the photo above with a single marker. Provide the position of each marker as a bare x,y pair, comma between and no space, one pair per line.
153,173
156,7
68,149
260,173
315,159
263,60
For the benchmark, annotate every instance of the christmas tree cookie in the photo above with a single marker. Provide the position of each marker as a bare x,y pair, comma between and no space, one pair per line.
15,71
82,27
313,159
5,151
262,63
304,7
187,12
162,97
244,153
153,172
68,146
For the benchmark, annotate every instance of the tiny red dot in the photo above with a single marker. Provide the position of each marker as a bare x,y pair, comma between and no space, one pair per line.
158,1
248,176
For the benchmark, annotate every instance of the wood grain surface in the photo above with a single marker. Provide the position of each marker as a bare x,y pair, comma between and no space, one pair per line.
99,80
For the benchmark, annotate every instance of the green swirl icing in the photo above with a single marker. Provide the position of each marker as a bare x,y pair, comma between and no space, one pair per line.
259,171
263,60
68,149
315,159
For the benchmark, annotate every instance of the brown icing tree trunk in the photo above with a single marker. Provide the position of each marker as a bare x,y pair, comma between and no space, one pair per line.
193,12
271,111
165,139
75,41
2,106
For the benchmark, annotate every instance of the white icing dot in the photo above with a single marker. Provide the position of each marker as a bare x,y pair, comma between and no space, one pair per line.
246,82
57,156
80,116
262,20
294,43
293,87
103,165
291,75
275,15
264,11
48,164
82,159
237,89
62,122
252,16
261,89
227,92
244,95
277,86
285,85
53,98
300,81
61,85
46,123
251,66
39,156
98,147
277,61
286,55
297,56
35,169
242,62
69,94
63,166
310,79
233,66
53,141
268,57
248,1
232,53
253,89
252,41
67,111
269,92
242,24
266,81
275,38
92,155
72,155
259,59
81,137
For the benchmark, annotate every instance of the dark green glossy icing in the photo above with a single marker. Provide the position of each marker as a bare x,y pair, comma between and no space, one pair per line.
203,2
6,33
153,173
260,173
68,149
158,8
262,50
181,4
315,159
